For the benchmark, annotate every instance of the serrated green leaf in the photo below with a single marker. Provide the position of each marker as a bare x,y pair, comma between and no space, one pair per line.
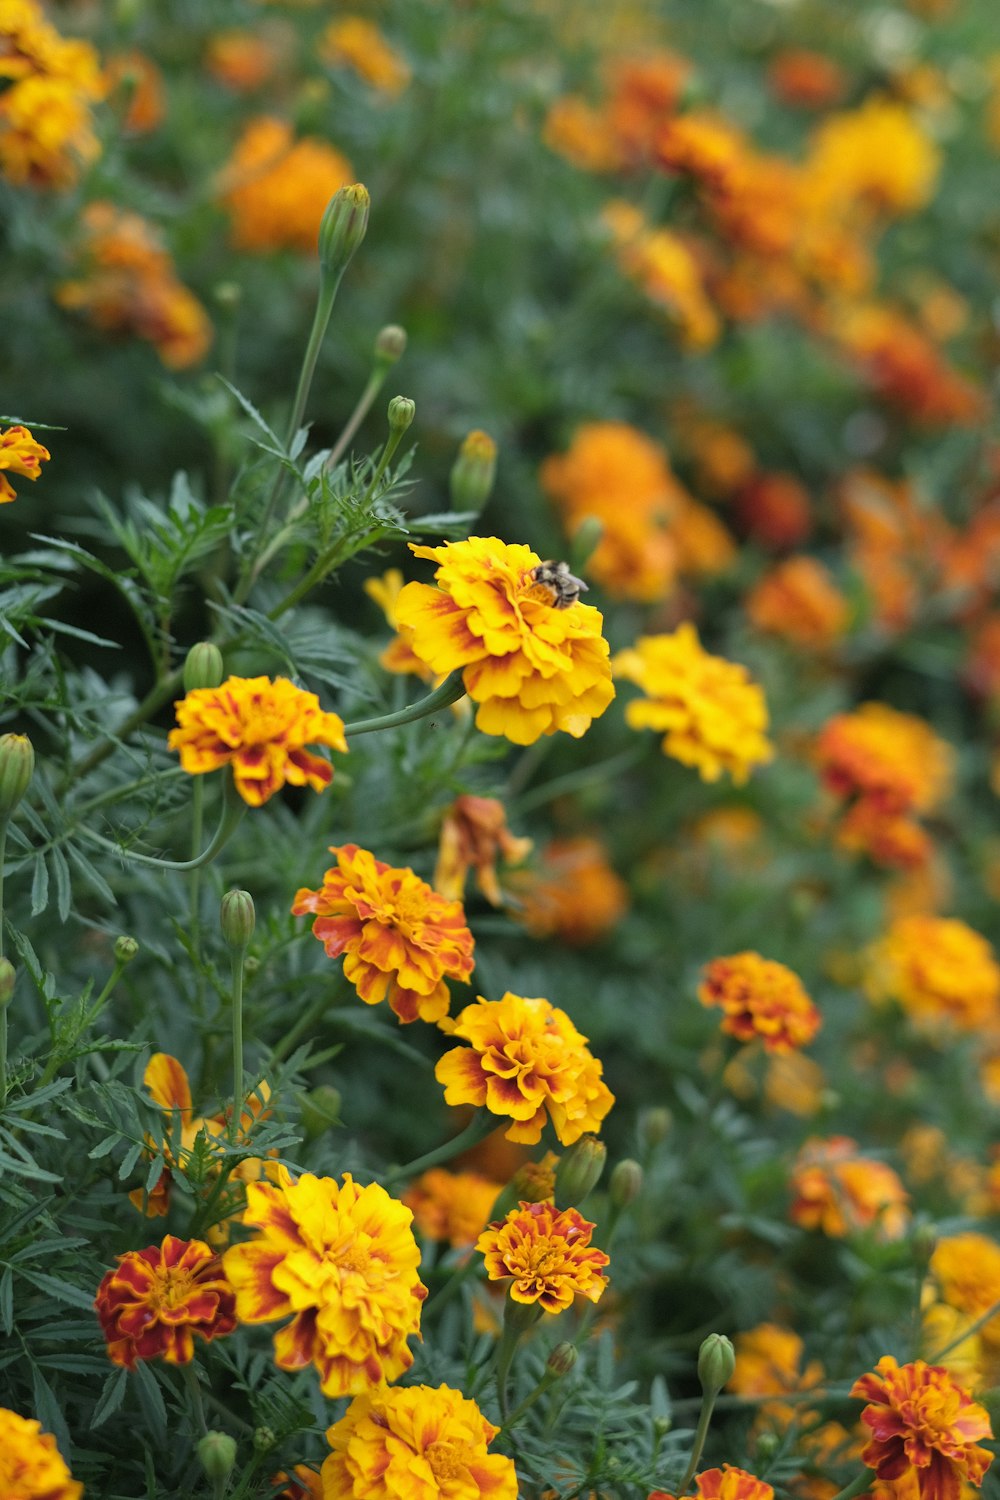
110,1399
63,1291
7,1301
49,1413
39,887
131,1157
103,1147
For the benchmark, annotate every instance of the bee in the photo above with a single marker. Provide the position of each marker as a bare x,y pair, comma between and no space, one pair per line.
558,584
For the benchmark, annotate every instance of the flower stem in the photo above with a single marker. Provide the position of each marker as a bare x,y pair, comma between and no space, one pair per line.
966,1333
479,1127
449,691
701,1433
376,381
858,1486
233,809
3,1008
194,1397
238,956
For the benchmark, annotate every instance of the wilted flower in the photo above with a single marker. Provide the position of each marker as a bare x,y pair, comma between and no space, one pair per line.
452,1206
940,970
31,1466
158,1298
925,1426
474,835
840,1192
276,189
547,1255
19,454
761,999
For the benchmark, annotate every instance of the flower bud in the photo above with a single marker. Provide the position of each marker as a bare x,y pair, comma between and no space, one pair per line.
217,1451
343,228
473,472
237,918
228,295
203,667
401,413
264,1439
766,1448
125,949
586,540
625,1182
390,344
655,1125
716,1363
17,763
320,1110
562,1359
8,978
579,1169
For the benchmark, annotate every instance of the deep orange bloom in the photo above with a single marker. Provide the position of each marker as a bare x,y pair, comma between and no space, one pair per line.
241,60
727,1483
893,760
889,839
158,1298
775,509
761,999
401,939
644,92
31,1466
575,894
261,729
344,1261
546,1255
276,188
474,835
136,87
526,1061
840,1192
19,454
452,1206
799,600
302,1484
906,369
941,971
923,1423
806,80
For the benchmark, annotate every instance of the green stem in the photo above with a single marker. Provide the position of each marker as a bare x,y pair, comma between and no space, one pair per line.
860,1485
574,781
376,381
701,1433
197,833
3,1008
233,809
194,1397
479,1127
392,442
291,1038
549,1378
449,691
239,954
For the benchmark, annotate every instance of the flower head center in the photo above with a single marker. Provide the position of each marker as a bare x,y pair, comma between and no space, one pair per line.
447,1460
172,1288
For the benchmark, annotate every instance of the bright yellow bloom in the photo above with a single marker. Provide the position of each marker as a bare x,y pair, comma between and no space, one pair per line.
760,998
452,1206
664,267
344,1261
923,1424
353,42
769,1362
546,1255
532,668
876,156
526,1060
714,714
261,729
46,121
277,188
401,939
966,1270
840,1192
398,656
31,1466
416,1442
19,454
940,971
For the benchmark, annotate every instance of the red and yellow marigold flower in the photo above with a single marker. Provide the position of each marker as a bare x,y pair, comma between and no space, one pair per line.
840,1192
713,713
546,1255
532,668
31,1466
261,729
924,1427
419,1442
574,894
452,1206
401,941
353,42
343,1261
761,999
474,835
19,454
727,1483
276,188
157,1299
526,1061
891,759
942,973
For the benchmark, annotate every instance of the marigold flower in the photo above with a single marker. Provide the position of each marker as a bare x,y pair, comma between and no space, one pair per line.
775,509
906,369
922,1422
344,1261
644,91
966,1270
46,109
940,971
667,270
893,760
876,155
714,714
302,1484
575,894
582,134
769,1363
261,729
474,834
401,939
760,998
727,1483
452,1206
805,80
19,454
136,85
896,842
276,188
840,1192
158,1298
532,668
398,656
31,1466
526,1060
241,60
353,42
799,600
546,1254
419,1442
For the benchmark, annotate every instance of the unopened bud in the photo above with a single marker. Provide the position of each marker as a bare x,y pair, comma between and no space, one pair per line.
320,1110
203,667
8,978
17,763
625,1182
401,413
716,1363
343,228
228,295
473,472
264,1439
126,949
237,918
390,344
586,540
655,1125
562,1359
768,1443
579,1170
217,1452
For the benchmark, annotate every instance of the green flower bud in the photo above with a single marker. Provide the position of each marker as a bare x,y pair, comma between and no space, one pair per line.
125,949
237,918
473,472
17,763
401,413
586,540
217,1452
320,1110
343,228
264,1439
390,344
716,1363
228,295
8,978
203,667
655,1125
562,1359
625,1183
767,1445
579,1170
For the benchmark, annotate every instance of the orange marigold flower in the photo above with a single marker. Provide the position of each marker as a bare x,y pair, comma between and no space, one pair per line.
799,600
526,1060
344,1261
19,454
419,1442
277,189
644,92
136,87
923,1423
939,970
760,998
727,1483
582,134
805,80
906,369
353,42
713,713
966,1270
546,1254
532,667
31,1466
158,1298
701,145
302,1484
893,760
888,839
241,60
474,834
401,939
667,270
452,1206
261,729
46,107
574,895
840,1192
775,509
769,1363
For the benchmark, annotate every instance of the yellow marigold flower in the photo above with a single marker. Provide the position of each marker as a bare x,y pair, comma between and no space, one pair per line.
665,268
401,939
760,998
769,1363
398,656
714,714
798,599
276,188
261,729
344,1261
944,1327
419,1442
727,1483
156,1299
31,1466
353,42
532,667
877,156
526,1059
966,1271
546,1255
939,970
893,760
19,454
840,1192
575,894
474,835
582,134
452,1206
923,1424
46,121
